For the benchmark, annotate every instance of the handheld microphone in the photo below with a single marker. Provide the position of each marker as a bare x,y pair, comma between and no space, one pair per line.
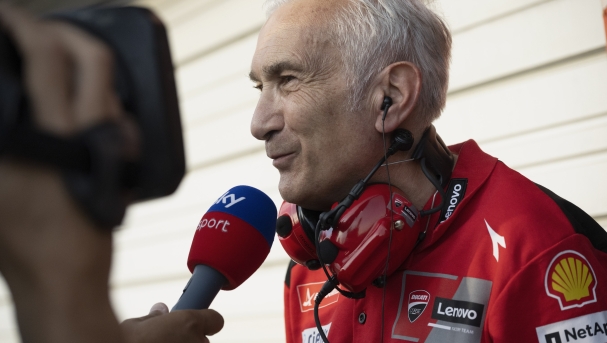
231,242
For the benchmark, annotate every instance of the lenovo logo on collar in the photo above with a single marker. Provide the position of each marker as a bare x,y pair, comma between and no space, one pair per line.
455,194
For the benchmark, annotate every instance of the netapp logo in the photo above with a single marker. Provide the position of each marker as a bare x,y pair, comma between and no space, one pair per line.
458,311
585,329
455,194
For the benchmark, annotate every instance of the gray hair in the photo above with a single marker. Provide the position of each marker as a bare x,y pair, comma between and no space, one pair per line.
373,34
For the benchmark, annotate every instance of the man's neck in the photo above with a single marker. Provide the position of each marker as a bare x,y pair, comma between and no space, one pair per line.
409,178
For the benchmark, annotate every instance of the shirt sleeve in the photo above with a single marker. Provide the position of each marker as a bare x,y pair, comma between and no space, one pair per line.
559,296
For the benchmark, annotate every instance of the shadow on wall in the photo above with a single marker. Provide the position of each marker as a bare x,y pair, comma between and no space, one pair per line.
41,6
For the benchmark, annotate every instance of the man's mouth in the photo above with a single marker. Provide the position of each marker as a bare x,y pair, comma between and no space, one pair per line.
282,160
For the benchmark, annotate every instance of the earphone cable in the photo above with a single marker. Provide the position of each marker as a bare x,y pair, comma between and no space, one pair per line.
384,276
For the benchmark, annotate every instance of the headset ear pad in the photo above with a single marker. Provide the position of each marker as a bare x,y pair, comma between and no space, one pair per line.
362,237
293,228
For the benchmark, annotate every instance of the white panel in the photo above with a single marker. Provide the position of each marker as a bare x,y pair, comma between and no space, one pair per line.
136,301
165,260
5,296
252,329
461,14
8,324
219,101
223,22
580,180
561,142
10,336
229,134
156,237
149,263
233,61
549,32
172,12
529,102
253,312
201,188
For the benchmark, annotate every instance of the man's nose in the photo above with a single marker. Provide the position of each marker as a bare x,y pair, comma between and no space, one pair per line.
268,117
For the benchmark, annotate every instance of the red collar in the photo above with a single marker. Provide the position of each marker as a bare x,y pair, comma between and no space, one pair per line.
472,164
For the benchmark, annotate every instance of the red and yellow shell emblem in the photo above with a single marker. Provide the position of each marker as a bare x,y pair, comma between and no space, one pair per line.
571,280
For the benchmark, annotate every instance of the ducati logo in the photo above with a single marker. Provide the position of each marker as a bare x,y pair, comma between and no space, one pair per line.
418,300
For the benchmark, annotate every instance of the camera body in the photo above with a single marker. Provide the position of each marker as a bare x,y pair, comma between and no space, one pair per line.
145,84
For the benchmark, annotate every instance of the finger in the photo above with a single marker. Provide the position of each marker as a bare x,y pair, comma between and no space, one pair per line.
212,322
20,25
159,308
95,99
46,68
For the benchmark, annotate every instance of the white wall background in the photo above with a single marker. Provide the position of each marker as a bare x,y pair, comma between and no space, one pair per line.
528,82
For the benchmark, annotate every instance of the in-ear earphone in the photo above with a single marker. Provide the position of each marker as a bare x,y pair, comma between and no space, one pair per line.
386,103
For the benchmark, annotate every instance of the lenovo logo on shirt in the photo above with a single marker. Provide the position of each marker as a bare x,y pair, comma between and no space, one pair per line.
307,294
457,311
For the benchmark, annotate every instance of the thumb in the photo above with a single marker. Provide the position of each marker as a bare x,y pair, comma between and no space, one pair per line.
158,309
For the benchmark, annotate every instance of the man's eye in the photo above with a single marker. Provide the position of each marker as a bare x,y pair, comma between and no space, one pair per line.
258,86
287,78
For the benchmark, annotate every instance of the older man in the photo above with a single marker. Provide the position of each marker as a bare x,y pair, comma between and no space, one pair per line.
504,260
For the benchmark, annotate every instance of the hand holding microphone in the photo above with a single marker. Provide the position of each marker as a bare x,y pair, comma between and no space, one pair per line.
231,242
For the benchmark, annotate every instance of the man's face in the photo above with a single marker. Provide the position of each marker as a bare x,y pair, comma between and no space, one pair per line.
320,148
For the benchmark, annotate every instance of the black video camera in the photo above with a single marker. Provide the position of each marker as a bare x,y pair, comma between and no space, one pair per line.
94,170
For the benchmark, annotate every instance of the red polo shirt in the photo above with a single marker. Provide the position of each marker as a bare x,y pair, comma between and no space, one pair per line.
503,262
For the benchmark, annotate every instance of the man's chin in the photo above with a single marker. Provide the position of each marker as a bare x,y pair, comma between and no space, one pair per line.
304,197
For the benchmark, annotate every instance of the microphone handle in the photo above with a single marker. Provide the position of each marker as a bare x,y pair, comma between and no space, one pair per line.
202,288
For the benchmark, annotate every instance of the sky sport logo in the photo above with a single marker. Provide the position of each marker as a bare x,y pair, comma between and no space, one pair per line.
590,328
418,300
229,199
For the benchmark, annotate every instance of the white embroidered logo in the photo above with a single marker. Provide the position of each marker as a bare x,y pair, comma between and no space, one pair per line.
496,239
229,197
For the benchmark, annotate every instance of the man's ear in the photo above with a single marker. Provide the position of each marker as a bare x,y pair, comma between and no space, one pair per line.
401,81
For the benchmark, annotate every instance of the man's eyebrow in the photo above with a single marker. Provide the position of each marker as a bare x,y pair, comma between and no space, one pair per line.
275,69
253,76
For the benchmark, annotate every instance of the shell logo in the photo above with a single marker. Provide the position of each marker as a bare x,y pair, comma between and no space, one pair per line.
571,280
